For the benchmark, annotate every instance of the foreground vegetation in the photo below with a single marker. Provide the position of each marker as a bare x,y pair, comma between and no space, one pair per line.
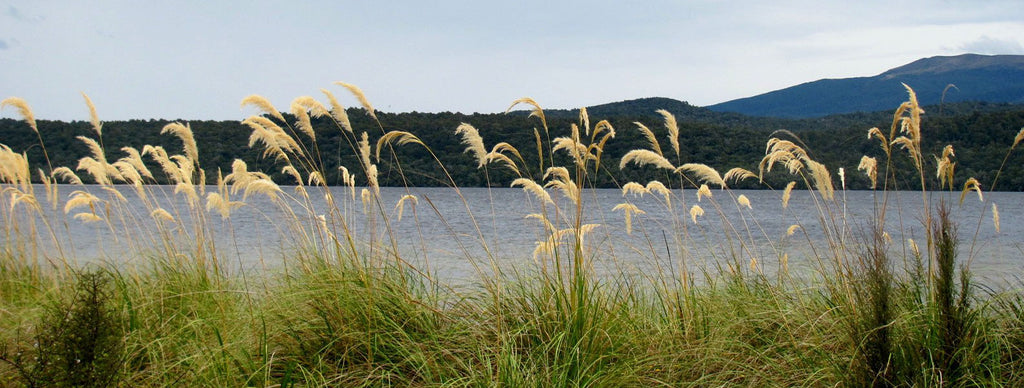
345,309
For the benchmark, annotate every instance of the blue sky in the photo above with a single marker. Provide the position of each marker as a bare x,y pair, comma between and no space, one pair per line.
198,59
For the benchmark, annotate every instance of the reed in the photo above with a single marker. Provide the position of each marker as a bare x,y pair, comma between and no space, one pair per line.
722,302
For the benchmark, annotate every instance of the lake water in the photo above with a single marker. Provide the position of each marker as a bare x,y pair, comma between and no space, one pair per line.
440,237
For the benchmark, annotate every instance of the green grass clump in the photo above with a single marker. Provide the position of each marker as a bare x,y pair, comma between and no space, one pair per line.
78,341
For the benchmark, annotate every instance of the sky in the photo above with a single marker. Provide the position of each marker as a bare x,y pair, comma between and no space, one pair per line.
198,59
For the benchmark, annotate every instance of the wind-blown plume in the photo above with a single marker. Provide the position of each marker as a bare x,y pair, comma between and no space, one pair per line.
264,105
696,211
651,139
93,117
532,187
474,143
704,173
673,130
184,132
643,157
870,168
396,137
400,206
358,93
786,193
629,210
338,111
23,109
634,188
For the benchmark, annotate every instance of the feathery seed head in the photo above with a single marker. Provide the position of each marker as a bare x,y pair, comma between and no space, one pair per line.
737,174
315,178
629,210
21,197
88,217
262,186
948,151
792,229
292,172
742,200
651,139
347,178
634,188
579,152
643,157
338,111
369,167
944,170
128,172
14,168
585,120
995,216
497,154
659,188
913,247
532,187
189,190
67,175
673,129
358,93
400,206
93,117
696,211
315,108
870,168
493,156
366,196
303,122
703,191
397,137
79,198
23,109
264,105
184,132
162,215
969,185
535,112
134,158
786,193
94,148
474,143
822,179
275,141
94,168
558,177
704,173
603,126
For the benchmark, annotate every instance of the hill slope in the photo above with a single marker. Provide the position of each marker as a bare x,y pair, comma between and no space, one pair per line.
989,78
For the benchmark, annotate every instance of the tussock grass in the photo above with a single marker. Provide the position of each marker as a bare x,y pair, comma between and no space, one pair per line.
346,306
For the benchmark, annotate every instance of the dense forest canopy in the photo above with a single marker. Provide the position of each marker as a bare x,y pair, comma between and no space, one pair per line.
980,133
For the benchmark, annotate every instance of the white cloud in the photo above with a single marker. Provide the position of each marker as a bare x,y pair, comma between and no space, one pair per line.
989,45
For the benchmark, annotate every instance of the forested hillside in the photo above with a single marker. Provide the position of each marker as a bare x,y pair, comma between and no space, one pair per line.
981,134
968,77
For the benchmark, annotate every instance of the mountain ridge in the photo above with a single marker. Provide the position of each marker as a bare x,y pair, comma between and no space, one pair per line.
987,78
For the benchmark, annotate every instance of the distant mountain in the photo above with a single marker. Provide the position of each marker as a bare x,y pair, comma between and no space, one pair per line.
985,78
640,107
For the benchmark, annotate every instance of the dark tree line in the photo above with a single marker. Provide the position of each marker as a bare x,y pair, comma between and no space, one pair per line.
981,135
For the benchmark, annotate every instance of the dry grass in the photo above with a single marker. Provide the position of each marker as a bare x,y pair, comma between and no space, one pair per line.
346,307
